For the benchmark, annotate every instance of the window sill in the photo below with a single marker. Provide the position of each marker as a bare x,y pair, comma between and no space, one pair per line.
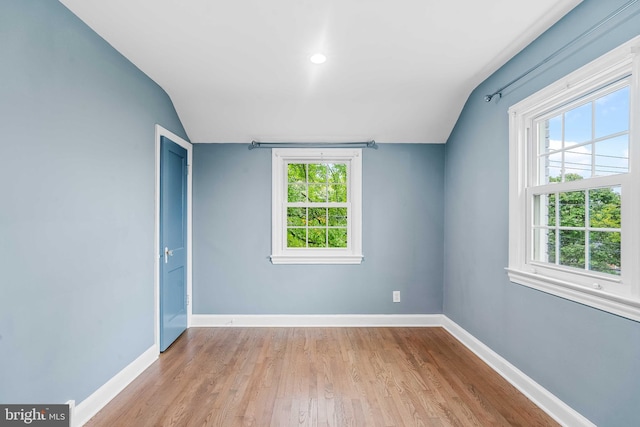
617,305
316,259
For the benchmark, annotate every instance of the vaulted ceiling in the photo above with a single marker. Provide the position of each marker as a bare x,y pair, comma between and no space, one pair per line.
396,70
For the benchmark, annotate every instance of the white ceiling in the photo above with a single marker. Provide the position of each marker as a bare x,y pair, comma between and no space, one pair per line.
397,70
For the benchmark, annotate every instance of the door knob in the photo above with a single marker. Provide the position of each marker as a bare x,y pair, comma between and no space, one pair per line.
167,254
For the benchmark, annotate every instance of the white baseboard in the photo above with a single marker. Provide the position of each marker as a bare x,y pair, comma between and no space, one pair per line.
94,403
355,320
544,399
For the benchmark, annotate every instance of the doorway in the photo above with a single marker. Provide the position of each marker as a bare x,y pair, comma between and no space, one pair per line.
173,237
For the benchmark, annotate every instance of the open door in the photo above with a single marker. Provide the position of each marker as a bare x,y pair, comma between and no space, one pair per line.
173,242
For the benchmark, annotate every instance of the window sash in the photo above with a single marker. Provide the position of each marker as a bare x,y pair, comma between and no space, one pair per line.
325,205
621,181
536,136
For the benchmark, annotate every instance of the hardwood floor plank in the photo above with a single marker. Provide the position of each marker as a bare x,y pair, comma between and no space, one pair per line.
319,377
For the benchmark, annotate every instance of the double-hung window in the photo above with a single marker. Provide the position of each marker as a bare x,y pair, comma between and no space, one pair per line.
316,206
574,203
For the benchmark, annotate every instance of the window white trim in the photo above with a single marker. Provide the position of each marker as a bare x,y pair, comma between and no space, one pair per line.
280,254
583,287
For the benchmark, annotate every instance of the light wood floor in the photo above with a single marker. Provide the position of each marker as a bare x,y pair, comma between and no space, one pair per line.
319,377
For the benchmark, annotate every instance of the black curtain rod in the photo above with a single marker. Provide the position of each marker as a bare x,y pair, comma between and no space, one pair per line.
615,13
363,144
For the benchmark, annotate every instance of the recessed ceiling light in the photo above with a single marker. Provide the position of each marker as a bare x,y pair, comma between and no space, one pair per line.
318,58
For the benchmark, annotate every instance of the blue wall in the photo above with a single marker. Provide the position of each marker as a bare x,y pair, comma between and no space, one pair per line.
77,214
402,238
588,358
76,225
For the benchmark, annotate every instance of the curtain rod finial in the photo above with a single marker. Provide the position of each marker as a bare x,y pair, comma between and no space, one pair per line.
488,98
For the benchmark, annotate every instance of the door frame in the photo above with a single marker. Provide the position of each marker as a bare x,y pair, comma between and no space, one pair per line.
160,132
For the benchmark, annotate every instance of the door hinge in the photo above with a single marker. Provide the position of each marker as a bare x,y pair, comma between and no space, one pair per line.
188,169
188,299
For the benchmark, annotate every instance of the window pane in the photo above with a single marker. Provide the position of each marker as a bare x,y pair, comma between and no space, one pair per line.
604,248
577,161
552,236
554,168
297,216
543,169
554,129
296,172
550,168
296,237
337,216
572,209
549,140
337,173
604,207
572,248
296,193
612,113
544,245
317,237
577,125
552,209
550,135
317,172
317,192
318,216
337,237
544,211
338,193
612,156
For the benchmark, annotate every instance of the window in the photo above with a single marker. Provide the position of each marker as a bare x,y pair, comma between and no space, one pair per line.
317,211
575,186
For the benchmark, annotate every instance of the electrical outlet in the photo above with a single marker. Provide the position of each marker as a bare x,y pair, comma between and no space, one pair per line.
396,296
